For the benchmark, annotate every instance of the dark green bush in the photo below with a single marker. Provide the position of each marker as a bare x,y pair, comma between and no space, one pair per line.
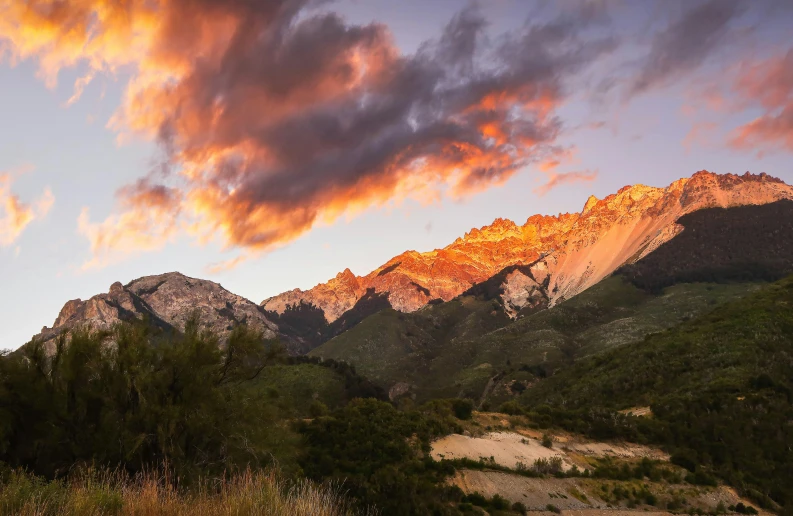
463,409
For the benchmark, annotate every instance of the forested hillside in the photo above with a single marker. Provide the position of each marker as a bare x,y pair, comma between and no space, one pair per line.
720,387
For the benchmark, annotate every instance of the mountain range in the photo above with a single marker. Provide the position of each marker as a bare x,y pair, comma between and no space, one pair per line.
532,266
565,254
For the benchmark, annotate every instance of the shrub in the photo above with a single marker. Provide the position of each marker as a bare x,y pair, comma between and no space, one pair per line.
499,503
701,478
552,508
476,499
547,441
740,508
463,408
548,466
511,407
317,409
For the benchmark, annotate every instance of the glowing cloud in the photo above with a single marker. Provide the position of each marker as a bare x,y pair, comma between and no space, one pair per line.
16,215
558,179
768,83
148,220
275,116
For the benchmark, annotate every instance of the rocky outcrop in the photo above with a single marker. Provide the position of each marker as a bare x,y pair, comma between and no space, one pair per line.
628,225
577,249
167,301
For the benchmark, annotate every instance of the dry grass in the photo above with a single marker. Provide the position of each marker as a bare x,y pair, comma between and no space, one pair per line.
108,493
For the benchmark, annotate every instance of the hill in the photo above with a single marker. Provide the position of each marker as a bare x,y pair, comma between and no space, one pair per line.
469,345
720,388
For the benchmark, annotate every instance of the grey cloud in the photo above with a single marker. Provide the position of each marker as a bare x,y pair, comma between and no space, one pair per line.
686,43
317,127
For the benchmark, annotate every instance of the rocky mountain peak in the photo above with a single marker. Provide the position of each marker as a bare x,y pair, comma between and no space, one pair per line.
590,203
347,279
577,250
165,300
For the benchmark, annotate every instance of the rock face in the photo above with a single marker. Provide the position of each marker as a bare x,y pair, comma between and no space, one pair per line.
167,300
569,252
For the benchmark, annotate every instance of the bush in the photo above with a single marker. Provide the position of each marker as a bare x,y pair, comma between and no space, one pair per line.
499,503
317,409
701,478
476,499
740,508
463,408
685,458
519,508
547,441
552,508
381,455
511,408
548,466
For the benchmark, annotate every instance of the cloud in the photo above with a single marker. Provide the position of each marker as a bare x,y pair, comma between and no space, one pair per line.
558,179
769,85
700,134
277,116
685,43
148,220
16,215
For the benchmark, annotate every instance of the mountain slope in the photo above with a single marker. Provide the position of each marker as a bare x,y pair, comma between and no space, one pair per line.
742,243
467,346
166,301
571,251
462,346
719,387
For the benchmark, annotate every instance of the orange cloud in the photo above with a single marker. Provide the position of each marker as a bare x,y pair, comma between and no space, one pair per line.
766,133
275,117
556,157
701,133
768,83
148,220
555,180
16,215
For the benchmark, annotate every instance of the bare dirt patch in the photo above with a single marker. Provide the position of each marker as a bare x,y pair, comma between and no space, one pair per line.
622,450
581,497
534,493
638,411
509,449
506,449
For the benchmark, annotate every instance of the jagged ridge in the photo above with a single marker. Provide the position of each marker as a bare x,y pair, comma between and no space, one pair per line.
575,250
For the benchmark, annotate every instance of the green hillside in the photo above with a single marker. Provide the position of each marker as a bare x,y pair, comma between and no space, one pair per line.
455,348
720,387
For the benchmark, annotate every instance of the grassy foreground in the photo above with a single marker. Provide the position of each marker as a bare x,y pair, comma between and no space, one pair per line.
110,493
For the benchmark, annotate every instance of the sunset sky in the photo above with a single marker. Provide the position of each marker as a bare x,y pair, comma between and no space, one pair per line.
269,144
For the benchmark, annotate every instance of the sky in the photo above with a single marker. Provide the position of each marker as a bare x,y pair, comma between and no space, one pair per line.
268,145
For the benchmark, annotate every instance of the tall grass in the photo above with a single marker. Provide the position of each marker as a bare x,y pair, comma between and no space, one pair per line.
110,493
